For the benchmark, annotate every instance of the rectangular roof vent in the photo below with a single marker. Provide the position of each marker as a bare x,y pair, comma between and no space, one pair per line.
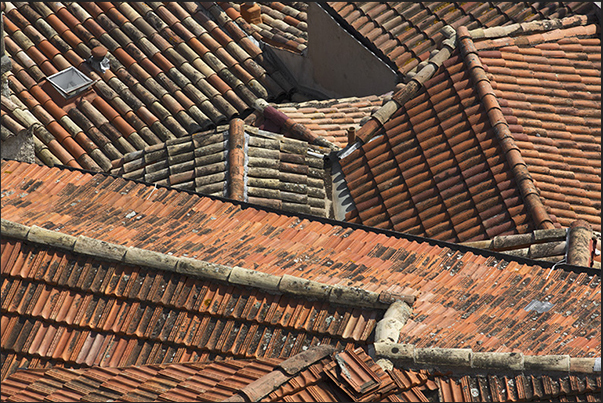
70,82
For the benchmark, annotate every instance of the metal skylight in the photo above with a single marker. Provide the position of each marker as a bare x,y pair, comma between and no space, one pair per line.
70,82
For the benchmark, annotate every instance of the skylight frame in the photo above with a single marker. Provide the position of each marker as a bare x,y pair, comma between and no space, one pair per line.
74,88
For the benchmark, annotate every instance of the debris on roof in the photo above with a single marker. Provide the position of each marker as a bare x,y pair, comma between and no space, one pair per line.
321,374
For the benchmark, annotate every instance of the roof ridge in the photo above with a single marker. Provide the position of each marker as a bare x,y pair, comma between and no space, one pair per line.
466,358
500,126
414,84
390,327
298,130
286,284
529,27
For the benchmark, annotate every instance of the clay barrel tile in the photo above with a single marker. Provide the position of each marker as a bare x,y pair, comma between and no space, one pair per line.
236,159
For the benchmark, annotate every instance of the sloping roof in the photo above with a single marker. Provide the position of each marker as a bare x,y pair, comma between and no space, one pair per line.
77,302
173,72
186,382
309,376
239,162
481,152
406,32
283,25
465,297
519,388
318,375
329,119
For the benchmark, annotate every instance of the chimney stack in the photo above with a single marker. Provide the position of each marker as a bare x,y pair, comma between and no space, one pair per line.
99,61
251,13
351,135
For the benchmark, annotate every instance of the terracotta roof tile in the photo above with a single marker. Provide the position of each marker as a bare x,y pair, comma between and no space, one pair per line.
93,323
405,33
228,234
329,119
324,376
168,89
239,162
533,116
389,176
282,25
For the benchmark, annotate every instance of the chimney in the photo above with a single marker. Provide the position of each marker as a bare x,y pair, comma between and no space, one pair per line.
251,13
351,135
99,61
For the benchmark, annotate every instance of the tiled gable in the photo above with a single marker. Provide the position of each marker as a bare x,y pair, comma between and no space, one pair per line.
239,162
465,298
173,72
406,33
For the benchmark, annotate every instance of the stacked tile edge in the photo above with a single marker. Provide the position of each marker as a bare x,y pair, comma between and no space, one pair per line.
286,284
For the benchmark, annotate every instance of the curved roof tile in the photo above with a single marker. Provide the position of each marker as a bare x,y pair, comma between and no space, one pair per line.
173,72
465,297
283,25
239,162
512,136
406,32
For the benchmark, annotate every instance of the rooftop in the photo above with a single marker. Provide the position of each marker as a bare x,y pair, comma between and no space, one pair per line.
318,374
172,72
239,162
465,297
175,240
404,33
505,147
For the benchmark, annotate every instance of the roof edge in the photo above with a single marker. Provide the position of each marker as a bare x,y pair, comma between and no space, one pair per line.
425,71
350,225
467,359
285,284
500,126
